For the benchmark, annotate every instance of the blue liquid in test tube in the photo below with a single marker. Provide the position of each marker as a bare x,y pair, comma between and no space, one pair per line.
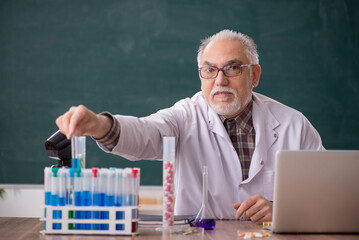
63,175
86,196
95,196
78,150
78,196
70,194
111,182
47,189
56,214
47,186
118,187
119,193
102,196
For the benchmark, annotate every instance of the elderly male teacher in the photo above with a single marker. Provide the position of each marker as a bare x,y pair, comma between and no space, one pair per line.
226,126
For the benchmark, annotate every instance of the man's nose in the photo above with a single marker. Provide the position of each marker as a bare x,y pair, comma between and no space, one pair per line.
221,79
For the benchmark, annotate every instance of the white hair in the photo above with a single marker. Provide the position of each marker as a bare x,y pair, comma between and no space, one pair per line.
249,45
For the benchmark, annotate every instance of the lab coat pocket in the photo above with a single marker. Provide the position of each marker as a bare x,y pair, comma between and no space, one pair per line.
268,184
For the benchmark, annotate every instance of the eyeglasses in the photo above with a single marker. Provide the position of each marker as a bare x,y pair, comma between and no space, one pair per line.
232,70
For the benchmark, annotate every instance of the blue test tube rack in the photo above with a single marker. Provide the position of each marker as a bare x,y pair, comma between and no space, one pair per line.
85,201
126,226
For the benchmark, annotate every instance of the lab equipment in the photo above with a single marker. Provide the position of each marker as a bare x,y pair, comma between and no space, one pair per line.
47,188
111,183
78,196
126,200
58,147
102,190
62,186
119,187
86,195
136,185
47,185
204,218
168,181
95,196
83,201
70,194
78,150
55,196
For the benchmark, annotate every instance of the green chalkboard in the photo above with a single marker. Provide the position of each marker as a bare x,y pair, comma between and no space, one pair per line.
136,57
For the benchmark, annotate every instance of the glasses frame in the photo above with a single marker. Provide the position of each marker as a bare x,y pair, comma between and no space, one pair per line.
222,69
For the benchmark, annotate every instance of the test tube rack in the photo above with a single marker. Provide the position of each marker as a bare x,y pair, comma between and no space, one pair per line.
126,225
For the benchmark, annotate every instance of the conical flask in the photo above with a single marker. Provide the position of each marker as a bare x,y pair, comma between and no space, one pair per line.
204,219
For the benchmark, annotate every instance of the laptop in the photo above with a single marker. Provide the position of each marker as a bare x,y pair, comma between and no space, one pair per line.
316,192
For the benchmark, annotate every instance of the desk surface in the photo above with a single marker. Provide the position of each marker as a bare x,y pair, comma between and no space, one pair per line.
29,228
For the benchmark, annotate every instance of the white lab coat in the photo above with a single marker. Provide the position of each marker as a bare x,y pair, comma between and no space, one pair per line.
201,139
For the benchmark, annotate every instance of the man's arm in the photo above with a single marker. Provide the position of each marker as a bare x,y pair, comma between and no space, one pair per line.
85,122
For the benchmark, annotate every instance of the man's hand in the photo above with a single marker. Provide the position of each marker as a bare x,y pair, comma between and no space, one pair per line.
84,121
256,208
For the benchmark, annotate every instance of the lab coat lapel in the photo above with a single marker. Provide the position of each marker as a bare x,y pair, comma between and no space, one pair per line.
215,124
264,124
230,157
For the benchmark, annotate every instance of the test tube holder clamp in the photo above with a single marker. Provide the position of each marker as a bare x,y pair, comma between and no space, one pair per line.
128,224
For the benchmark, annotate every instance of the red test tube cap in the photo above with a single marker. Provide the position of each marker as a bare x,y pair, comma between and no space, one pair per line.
94,172
134,172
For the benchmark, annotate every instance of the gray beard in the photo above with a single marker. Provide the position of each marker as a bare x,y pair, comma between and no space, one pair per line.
229,108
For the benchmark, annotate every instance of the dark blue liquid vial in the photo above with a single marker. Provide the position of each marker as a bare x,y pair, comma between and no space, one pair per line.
76,163
207,224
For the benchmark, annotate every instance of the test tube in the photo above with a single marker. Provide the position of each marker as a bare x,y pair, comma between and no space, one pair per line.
168,181
95,196
61,191
55,197
70,193
119,192
47,189
78,150
119,187
47,186
86,195
78,196
110,196
62,186
102,182
136,185
135,190
102,195
126,200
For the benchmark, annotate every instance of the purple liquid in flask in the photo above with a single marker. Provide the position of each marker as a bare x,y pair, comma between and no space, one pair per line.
203,218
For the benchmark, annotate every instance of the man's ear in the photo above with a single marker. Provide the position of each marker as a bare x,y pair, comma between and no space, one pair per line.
256,70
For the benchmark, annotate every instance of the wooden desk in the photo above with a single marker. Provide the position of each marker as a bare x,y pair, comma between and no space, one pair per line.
29,229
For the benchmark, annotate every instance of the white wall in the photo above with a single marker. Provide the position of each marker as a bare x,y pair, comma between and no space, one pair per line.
21,200
25,200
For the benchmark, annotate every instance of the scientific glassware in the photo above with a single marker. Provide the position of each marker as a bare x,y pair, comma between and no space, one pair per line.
203,218
168,181
78,150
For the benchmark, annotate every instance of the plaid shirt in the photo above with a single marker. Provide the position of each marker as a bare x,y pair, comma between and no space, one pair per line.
242,134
